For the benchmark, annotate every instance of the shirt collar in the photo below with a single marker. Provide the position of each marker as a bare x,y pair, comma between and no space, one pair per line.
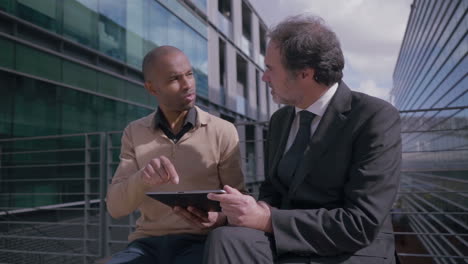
319,106
160,119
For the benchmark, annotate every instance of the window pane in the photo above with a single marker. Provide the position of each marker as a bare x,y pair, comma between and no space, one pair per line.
136,93
111,29
188,17
135,32
42,13
7,90
80,76
158,24
78,112
200,4
6,5
83,32
176,32
135,112
110,85
107,116
32,61
35,109
7,54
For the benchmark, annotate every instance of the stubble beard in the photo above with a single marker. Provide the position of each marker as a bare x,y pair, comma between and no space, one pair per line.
293,99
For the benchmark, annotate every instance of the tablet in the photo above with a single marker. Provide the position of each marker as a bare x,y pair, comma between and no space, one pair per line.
185,199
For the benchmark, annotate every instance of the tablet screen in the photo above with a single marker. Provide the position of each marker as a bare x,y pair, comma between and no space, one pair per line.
184,199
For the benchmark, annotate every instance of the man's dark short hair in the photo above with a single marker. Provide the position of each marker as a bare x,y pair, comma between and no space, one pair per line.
304,42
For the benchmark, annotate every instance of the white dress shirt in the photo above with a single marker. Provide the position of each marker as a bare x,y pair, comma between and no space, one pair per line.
318,108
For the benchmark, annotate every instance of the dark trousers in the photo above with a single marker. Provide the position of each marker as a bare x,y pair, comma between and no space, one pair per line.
234,245
180,249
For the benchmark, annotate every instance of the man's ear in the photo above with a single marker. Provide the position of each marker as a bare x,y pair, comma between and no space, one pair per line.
308,73
150,88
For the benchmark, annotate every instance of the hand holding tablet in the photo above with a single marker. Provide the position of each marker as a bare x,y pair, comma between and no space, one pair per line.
184,199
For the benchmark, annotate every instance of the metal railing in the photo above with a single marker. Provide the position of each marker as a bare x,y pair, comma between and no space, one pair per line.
51,199
52,207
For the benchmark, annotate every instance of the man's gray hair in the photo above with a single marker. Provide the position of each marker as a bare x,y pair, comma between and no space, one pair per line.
305,41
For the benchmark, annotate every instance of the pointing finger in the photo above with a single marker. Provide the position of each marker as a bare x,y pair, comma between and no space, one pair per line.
172,173
156,163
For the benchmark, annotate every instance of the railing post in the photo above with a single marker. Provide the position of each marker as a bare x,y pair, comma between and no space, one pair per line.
102,194
1,159
107,178
86,198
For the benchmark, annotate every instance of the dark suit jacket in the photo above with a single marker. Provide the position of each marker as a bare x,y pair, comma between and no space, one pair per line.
336,207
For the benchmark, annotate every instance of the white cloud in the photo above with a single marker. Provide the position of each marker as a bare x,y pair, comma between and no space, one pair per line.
370,32
370,87
377,65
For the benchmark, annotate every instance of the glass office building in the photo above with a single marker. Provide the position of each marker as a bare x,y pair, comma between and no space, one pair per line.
70,81
74,66
431,92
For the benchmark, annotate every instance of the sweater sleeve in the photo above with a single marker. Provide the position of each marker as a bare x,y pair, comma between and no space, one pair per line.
126,191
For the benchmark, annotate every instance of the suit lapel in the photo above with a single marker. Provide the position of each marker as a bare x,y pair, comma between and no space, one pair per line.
283,139
329,128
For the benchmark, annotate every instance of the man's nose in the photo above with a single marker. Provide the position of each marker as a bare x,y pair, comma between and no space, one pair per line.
186,82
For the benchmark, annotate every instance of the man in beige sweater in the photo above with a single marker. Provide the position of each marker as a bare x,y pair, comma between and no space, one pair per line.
178,147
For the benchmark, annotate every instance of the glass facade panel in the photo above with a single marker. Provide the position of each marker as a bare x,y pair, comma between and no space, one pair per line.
438,55
201,4
37,63
136,93
85,31
6,5
200,64
111,29
431,74
188,18
135,26
7,56
175,36
158,24
41,108
35,105
110,85
78,112
7,84
122,29
80,76
44,13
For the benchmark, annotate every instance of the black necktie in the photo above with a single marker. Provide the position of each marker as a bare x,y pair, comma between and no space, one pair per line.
292,158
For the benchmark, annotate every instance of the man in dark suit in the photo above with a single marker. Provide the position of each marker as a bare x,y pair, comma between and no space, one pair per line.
332,164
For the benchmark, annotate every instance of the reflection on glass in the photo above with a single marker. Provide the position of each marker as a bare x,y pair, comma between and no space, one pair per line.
110,30
240,104
6,5
246,46
41,108
175,32
201,4
42,13
122,29
225,25
158,24
83,32
135,26
261,60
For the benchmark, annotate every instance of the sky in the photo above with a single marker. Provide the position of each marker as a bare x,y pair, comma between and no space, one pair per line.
370,32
